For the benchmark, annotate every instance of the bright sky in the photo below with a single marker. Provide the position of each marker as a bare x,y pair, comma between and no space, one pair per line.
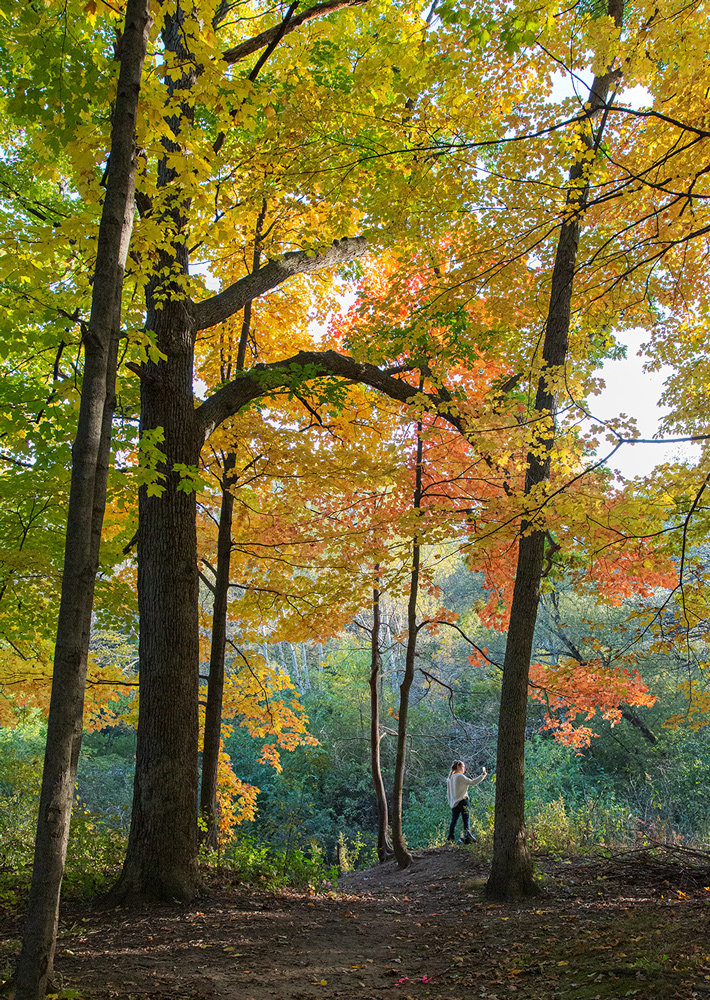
634,392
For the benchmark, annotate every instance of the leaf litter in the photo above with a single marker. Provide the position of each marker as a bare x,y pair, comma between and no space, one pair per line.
602,928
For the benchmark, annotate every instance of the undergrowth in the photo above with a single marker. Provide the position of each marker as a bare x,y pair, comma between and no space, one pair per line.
260,864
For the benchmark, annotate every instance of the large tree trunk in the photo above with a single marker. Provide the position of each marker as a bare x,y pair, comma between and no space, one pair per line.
401,851
87,498
384,848
511,872
215,684
161,860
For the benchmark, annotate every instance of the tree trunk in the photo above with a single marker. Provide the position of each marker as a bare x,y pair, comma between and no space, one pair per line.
296,671
87,499
384,848
161,860
304,660
215,685
401,852
511,872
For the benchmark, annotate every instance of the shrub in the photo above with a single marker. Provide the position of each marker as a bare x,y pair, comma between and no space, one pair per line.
94,854
353,853
260,864
21,760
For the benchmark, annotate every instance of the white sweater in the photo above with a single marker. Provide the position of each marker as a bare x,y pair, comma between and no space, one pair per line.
457,786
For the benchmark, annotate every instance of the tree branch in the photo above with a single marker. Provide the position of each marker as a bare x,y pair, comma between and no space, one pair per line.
267,37
264,378
628,713
280,32
220,307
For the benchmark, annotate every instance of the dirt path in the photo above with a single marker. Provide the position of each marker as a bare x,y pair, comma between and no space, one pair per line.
421,934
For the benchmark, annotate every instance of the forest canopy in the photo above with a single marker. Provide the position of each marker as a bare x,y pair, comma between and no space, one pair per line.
304,311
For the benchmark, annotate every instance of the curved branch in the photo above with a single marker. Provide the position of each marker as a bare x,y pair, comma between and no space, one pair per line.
264,378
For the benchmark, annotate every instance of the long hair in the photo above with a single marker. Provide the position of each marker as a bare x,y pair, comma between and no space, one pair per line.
456,764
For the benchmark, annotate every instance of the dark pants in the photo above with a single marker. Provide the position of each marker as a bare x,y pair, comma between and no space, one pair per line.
460,809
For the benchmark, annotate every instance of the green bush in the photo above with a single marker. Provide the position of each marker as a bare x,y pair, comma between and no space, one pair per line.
357,852
94,854
21,761
617,793
558,826
260,864
95,849
105,774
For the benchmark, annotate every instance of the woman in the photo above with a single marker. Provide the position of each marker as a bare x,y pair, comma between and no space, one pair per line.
457,791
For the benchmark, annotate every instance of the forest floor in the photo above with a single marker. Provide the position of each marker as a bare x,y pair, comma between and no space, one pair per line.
600,929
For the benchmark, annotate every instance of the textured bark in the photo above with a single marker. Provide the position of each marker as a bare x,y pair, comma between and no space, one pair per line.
384,848
511,871
90,457
209,834
304,661
401,851
633,719
161,860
